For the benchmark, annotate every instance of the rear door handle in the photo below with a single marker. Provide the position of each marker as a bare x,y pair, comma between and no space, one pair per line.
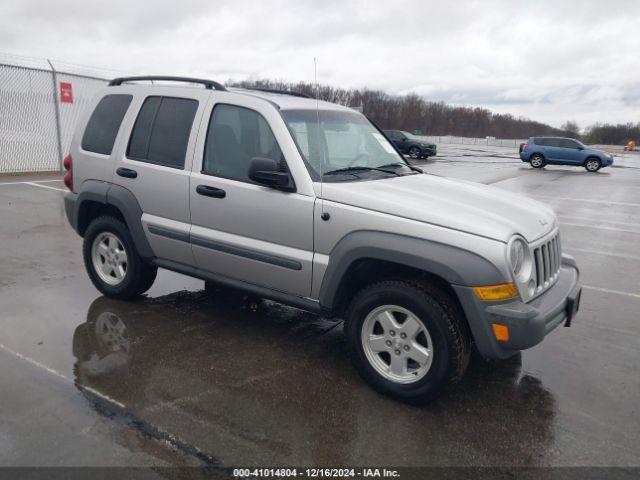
127,172
208,191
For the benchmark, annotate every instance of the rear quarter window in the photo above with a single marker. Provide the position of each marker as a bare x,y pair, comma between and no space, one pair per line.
102,128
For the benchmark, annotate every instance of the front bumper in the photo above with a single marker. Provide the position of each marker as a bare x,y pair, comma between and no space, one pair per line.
528,323
430,151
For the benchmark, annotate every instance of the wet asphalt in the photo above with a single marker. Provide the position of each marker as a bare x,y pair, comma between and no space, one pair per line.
186,378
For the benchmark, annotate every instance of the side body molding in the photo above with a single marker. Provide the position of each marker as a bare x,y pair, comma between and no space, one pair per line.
455,265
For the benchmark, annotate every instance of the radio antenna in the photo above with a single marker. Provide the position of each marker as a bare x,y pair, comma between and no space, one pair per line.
323,215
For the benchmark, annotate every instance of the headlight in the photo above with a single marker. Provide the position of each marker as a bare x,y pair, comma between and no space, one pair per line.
516,255
521,262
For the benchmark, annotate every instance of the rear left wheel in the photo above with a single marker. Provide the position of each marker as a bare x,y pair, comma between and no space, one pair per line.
112,261
537,160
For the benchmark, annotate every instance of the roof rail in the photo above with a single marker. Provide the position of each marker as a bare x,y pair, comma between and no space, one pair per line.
282,92
209,84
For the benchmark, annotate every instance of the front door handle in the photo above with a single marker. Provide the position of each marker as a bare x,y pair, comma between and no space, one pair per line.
208,191
127,172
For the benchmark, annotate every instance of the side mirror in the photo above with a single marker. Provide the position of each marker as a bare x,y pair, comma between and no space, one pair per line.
266,171
580,148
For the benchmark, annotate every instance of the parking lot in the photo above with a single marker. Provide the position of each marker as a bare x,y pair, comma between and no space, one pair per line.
184,378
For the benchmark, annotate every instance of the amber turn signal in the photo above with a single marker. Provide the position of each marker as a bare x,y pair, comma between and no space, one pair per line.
501,332
496,292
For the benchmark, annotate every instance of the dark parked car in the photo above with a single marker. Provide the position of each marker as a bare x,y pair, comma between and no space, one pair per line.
411,145
541,151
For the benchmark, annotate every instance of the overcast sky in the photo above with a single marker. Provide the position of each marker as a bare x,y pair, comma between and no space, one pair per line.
551,61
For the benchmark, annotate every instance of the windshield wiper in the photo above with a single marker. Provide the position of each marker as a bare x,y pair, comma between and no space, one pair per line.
364,169
398,164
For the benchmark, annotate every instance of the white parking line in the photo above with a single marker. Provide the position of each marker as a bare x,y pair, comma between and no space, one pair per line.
55,373
35,181
596,219
627,256
589,200
613,229
45,186
615,292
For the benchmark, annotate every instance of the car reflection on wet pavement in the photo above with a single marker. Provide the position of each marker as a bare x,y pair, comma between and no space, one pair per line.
273,385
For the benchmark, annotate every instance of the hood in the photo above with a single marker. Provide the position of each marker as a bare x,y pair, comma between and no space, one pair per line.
457,204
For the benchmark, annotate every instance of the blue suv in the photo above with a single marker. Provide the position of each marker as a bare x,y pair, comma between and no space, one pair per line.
541,151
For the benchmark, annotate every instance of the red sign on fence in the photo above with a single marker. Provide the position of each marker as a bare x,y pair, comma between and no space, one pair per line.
66,93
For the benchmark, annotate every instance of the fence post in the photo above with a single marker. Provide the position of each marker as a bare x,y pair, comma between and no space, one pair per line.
56,105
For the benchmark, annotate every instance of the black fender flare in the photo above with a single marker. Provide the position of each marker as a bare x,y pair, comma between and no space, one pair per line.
455,265
122,199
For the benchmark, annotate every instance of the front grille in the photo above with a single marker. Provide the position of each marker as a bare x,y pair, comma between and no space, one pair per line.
548,259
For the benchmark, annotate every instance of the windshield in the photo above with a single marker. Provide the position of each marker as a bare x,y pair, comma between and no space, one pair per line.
343,144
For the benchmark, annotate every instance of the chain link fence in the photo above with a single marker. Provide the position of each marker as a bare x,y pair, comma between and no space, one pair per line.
492,142
40,102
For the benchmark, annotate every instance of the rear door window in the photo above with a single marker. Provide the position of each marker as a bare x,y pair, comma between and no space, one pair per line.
161,132
102,128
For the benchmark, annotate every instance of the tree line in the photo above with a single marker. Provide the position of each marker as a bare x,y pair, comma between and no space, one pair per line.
612,134
412,112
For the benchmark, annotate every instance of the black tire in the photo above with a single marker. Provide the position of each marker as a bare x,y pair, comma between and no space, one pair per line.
414,152
592,164
444,322
537,160
139,275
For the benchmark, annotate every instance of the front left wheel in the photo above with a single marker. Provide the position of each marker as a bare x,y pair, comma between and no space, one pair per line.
112,261
407,340
414,152
592,165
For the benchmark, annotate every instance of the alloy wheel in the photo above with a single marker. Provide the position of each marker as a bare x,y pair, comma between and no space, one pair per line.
109,258
593,165
397,344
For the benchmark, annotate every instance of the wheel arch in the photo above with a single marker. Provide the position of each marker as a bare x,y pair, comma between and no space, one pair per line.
592,156
98,198
365,256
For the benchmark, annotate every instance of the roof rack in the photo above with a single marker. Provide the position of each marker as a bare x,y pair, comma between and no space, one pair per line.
282,92
209,84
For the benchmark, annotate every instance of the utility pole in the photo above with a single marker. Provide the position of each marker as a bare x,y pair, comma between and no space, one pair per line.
56,104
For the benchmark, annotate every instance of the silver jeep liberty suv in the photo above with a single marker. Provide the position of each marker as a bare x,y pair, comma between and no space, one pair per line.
307,203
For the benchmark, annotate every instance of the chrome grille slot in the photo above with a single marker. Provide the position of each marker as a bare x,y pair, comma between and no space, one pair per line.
547,257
